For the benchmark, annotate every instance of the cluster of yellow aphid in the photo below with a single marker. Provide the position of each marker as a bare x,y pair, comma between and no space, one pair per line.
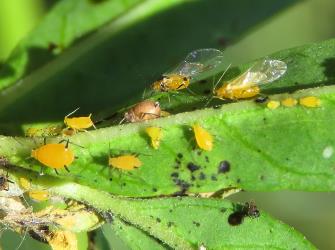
197,62
309,101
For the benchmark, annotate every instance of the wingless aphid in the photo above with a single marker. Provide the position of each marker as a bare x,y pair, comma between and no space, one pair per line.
54,155
195,63
203,138
155,134
247,84
78,123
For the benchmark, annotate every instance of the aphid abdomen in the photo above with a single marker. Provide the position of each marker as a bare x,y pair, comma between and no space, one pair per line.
244,93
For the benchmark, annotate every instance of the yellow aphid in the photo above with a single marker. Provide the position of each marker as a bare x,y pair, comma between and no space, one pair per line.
43,131
78,123
247,84
289,102
155,134
273,104
54,155
124,162
39,195
310,101
24,183
195,63
203,138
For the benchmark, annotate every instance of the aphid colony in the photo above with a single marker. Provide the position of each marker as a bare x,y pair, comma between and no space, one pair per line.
246,85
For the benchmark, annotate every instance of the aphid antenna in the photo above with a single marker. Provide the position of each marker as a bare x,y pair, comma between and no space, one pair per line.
123,119
74,111
69,142
216,84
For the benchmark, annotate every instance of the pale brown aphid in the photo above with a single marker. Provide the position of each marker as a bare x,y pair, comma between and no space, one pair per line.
142,111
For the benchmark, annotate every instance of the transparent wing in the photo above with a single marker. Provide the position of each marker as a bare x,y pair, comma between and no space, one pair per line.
262,72
198,61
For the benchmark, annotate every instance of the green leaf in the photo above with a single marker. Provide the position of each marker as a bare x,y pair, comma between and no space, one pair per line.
131,48
122,235
188,223
266,149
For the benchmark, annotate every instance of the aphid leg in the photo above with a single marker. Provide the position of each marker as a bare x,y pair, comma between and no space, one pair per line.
66,168
68,142
41,171
145,113
56,171
45,141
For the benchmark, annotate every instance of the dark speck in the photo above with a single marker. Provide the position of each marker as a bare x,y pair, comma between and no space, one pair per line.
110,179
199,152
196,223
213,178
261,99
222,210
170,224
180,155
175,174
262,177
236,218
202,176
192,167
192,178
238,180
203,81
154,189
158,220
178,161
206,158
224,167
170,210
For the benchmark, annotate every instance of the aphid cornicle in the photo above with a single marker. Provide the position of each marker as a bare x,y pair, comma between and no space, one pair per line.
142,111
247,84
203,138
54,155
78,123
195,63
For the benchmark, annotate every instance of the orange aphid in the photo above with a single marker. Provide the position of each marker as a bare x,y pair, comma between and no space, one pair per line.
289,102
142,111
78,123
124,162
310,101
203,138
54,155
